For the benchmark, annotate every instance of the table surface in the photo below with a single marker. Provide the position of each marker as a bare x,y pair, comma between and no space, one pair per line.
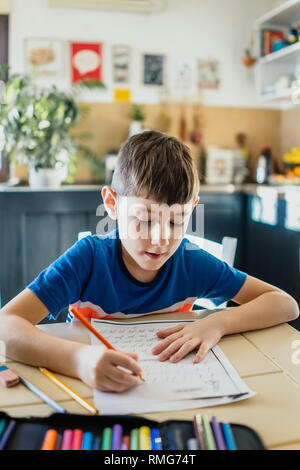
262,358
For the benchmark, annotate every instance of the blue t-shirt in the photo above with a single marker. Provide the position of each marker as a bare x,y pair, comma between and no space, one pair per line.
92,276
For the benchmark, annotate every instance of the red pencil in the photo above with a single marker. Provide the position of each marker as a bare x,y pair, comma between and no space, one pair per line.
96,333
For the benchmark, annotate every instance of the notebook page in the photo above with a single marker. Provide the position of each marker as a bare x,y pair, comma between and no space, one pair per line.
145,399
213,377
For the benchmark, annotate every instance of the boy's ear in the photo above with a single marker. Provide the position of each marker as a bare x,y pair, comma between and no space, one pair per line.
110,201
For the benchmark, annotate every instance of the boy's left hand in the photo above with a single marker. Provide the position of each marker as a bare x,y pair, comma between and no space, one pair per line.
182,339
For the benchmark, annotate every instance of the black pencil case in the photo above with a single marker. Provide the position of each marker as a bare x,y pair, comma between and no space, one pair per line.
29,433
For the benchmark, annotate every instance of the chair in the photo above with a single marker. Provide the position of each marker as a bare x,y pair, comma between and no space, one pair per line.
82,235
224,251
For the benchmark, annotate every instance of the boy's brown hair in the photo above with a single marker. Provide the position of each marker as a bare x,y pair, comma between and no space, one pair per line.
159,165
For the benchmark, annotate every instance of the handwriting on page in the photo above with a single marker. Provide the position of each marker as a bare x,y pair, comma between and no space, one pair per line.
135,338
207,379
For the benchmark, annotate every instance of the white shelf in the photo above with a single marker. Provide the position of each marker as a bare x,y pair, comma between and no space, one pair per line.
276,96
283,15
283,98
283,63
288,50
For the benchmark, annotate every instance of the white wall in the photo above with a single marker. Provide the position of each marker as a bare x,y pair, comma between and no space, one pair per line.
204,29
4,7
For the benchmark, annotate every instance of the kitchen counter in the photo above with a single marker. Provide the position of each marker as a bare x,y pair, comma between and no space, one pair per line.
72,187
282,191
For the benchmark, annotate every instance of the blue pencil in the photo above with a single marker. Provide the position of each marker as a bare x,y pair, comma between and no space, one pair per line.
229,439
53,404
156,443
7,433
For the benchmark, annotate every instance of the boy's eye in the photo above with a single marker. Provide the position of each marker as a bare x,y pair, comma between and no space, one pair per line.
148,222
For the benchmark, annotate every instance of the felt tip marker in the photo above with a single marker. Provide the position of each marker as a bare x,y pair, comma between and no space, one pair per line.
117,435
228,436
87,441
106,439
49,442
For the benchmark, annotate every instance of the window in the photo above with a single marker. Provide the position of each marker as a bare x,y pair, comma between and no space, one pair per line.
292,221
264,206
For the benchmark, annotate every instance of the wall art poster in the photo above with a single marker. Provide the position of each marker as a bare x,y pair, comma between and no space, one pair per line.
120,63
86,61
154,69
44,55
208,74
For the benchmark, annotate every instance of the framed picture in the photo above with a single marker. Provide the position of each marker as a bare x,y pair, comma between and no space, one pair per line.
208,74
46,56
121,64
183,77
86,61
154,69
219,166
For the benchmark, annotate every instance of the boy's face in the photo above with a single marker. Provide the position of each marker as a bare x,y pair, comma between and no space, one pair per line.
150,231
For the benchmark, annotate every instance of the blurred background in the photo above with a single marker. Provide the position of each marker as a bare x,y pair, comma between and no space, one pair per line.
77,77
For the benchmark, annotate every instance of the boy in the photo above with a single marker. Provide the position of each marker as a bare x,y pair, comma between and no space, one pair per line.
144,266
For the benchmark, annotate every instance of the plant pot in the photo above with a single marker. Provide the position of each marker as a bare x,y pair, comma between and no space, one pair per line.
44,178
249,61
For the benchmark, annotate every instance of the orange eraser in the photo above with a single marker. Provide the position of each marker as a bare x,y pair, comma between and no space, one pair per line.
7,377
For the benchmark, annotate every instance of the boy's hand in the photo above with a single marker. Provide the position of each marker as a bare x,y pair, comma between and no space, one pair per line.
99,369
182,339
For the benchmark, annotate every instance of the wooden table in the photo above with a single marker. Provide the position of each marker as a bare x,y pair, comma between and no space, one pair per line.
262,358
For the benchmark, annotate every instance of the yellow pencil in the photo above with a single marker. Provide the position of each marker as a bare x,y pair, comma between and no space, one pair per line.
88,406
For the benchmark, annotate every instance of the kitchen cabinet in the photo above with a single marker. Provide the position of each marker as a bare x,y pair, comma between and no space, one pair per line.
36,227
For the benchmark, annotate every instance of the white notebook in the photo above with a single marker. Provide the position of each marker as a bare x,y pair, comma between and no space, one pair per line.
168,386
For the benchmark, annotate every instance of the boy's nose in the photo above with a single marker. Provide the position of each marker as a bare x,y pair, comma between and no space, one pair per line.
160,234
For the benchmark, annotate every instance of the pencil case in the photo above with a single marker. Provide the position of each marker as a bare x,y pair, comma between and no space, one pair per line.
29,433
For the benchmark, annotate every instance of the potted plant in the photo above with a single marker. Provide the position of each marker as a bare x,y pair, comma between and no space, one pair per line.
36,127
248,59
137,116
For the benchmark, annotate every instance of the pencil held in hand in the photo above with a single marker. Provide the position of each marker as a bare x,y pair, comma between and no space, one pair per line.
96,333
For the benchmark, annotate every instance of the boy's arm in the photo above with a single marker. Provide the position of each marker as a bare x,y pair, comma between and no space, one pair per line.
26,343
261,306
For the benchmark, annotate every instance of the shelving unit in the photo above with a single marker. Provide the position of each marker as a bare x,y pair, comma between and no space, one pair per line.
283,53
283,63
283,15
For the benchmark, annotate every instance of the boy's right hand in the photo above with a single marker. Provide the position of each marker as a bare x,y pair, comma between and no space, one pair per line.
98,368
